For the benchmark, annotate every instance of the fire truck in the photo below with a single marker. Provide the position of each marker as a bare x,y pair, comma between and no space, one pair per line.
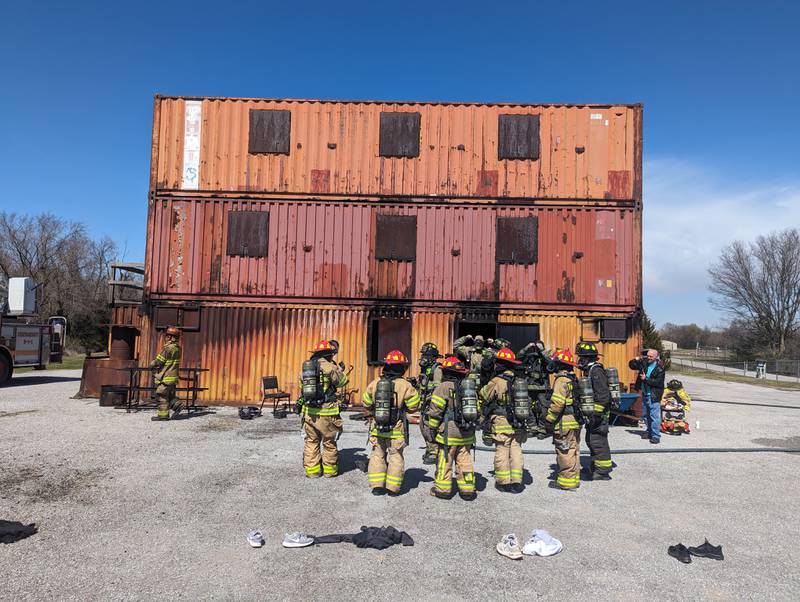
25,342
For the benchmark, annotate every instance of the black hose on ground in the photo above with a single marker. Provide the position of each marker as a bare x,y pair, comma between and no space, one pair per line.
670,450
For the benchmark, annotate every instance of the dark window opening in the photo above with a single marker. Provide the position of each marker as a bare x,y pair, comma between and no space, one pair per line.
385,335
517,239
488,330
399,135
518,137
614,330
519,334
186,318
269,131
247,233
396,237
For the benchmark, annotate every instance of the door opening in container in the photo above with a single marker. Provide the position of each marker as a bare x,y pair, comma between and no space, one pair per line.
488,330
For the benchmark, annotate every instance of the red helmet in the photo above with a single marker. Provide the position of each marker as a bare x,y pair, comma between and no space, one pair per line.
453,364
506,355
564,356
323,346
394,358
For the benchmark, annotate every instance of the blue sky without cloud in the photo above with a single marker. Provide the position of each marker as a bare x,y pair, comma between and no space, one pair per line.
720,82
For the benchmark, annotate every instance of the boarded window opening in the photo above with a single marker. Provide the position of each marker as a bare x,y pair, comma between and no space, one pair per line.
519,334
396,237
399,136
247,233
517,239
518,137
613,329
385,335
185,317
269,131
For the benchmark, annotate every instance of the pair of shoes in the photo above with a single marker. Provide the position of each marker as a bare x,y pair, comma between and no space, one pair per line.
426,459
440,494
255,539
509,547
159,418
378,491
468,497
655,441
296,540
541,543
705,550
555,485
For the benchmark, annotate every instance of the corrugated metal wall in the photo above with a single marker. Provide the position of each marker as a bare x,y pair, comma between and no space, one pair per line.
325,250
587,152
240,344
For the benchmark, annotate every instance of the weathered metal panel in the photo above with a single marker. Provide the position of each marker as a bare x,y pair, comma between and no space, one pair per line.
585,152
325,250
240,344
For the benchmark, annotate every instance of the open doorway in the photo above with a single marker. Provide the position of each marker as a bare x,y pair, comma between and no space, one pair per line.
487,329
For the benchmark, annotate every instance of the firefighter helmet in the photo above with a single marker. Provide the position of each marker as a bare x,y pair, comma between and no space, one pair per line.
586,349
564,356
172,331
453,364
323,347
395,358
675,385
506,355
430,349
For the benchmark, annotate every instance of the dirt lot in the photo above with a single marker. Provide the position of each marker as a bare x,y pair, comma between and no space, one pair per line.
134,510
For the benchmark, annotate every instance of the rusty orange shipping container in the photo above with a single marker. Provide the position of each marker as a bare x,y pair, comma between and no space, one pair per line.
273,223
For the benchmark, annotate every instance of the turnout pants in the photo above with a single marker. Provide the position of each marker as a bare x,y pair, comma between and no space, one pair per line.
597,440
386,463
568,457
459,456
165,395
321,431
431,448
508,462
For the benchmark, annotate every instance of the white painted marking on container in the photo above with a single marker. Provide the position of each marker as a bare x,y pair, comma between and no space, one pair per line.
596,116
191,144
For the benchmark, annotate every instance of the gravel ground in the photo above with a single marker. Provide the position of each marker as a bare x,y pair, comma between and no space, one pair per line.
134,510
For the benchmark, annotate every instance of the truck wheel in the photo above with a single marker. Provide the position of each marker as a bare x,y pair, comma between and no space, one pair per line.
5,369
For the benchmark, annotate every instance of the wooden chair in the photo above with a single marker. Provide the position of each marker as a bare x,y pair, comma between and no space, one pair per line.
271,390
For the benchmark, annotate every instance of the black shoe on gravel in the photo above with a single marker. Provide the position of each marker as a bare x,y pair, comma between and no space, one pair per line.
378,491
516,488
596,476
707,551
159,418
681,552
468,497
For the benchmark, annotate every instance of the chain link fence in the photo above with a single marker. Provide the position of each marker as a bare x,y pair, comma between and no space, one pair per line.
777,370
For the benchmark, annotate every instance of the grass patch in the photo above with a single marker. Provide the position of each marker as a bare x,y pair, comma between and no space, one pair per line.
711,375
71,362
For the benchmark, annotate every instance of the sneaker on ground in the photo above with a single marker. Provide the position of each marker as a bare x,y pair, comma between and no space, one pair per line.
297,540
509,547
255,539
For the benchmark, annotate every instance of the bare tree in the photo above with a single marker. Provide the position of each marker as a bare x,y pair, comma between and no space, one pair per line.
758,284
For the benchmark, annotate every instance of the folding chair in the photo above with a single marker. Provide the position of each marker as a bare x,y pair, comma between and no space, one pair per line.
271,390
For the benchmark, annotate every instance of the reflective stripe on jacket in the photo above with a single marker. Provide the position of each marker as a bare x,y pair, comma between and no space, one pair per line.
560,413
167,363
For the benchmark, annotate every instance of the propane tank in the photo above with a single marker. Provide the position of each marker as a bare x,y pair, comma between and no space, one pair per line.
520,399
613,385
384,403
469,399
585,397
309,377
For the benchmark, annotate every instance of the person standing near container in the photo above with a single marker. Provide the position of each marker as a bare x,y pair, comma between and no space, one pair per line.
561,417
651,384
319,408
166,366
597,426
429,378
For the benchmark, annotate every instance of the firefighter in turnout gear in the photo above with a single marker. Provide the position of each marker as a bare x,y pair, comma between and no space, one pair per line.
320,410
597,423
388,398
429,378
453,415
473,352
566,429
508,429
166,366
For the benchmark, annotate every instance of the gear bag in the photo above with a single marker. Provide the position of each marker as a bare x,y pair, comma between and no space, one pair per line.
583,400
384,408
311,379
469,400
613,386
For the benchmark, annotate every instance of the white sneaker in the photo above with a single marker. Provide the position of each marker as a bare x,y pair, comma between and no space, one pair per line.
297,540
509,547
255,539
541,543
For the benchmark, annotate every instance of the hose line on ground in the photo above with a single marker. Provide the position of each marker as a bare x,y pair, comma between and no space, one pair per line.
671,450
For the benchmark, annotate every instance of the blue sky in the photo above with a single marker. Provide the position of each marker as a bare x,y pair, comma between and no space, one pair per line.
720,82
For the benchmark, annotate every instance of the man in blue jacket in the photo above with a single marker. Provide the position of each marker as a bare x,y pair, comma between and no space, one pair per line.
651,384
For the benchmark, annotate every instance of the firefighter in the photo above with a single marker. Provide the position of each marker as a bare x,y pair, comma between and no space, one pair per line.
473,352
429,378
166,366
597,425
388,398
453,415
561,418
320,410
507,432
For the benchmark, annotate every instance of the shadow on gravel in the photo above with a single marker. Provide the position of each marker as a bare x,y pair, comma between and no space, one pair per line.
186,416
24,381
785,442
352,458
414,477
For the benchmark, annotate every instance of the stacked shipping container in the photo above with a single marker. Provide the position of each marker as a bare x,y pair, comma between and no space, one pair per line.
273,224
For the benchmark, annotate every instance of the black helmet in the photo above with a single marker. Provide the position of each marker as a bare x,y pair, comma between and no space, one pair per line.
430,349
584,349
675,384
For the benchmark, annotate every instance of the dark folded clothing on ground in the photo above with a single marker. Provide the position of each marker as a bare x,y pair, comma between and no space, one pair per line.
378,538
11,531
